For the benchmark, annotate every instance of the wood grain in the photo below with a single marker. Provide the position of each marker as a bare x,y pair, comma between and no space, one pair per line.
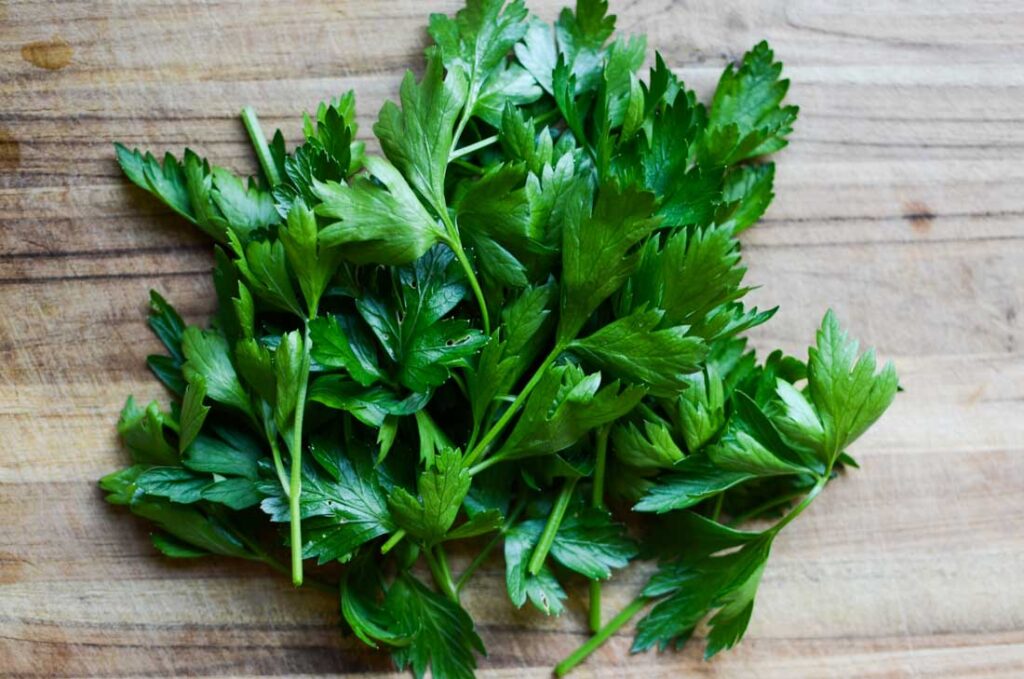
899,204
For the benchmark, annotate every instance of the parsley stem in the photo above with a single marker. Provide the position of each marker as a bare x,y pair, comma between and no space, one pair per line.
486,551
509,413
275,450
471,148
395,538
466,165
442,574
259,143
455,243
594,604
296,480
716,511
597,500
804,504
547,537
594,642
765,506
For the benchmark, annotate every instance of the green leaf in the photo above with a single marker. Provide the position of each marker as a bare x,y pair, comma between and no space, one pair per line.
291,365
564,406
632,348
798,421
691,275
263,265
484,522
441,491
508,84
380,220
596,257
693,480
521,142
652,448
236,493
246,208
746,196
208,359
494,216
542,589
370,405
193,412
174,483
340,342
120,486
411,328
164,180
166,324
746,109
847,393
313,266
417,137
445,640
695,587
256,367
591,545
526,322
143,433
342,508
701,408
235,455
168,546
361,605
738,451
190,526
476,43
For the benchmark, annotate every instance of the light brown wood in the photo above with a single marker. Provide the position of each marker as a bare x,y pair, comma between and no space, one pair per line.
899,203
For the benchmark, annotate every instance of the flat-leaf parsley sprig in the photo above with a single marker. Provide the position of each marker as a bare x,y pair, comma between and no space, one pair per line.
519,324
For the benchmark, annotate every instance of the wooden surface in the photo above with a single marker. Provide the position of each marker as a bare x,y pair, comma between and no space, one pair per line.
900,204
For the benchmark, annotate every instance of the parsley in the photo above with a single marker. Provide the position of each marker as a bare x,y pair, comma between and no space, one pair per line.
521,325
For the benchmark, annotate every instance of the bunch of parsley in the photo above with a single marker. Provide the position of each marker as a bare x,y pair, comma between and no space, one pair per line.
527,314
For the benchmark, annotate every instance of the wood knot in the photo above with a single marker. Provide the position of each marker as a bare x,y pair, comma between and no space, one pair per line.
919,215
10,151
52,54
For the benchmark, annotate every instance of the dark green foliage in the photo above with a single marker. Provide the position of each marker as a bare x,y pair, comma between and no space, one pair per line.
529,310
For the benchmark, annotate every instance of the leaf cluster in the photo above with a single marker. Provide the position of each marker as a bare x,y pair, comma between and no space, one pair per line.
521,325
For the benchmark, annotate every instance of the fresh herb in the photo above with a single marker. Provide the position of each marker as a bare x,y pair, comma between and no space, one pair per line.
522,323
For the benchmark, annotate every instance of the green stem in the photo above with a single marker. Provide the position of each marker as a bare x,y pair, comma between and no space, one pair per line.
547,537
486,551
804,504
442,574
717,510
597,500
275,451
472,148
455,244
765,506
602,635
395,538
259,143
466,165
594,613
510,412
296,450
553,114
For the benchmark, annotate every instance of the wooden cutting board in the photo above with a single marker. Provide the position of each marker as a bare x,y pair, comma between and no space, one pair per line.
900,204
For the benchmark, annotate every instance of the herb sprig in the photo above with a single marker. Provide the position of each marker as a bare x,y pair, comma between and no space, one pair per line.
521,323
